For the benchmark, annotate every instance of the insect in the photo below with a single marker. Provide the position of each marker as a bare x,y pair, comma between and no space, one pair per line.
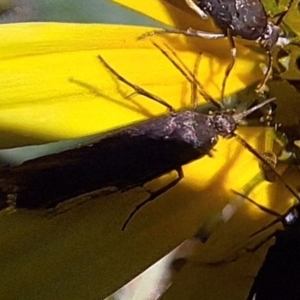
124,158
278,277
246,19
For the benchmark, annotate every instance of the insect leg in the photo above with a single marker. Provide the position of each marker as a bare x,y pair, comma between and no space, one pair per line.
194,84
267,238
137,88
268,153
288,218
230,66
189,32
182,68
282,14
262,242
196,9
154,195
272,159
262,87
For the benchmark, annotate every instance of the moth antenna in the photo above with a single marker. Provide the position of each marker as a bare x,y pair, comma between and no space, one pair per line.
184,70
277,220
238,117
261,207
261,158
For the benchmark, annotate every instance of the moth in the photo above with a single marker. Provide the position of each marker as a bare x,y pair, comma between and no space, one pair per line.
246,19
124,158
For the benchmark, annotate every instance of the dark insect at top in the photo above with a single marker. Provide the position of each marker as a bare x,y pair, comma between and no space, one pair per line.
243,18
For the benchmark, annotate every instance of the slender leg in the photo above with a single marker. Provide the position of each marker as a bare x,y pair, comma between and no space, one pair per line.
277,220
256,247
262,87
153,196
204,34
282,14
189,32
182,68
196,9
272,159
136,88
194,83
230,66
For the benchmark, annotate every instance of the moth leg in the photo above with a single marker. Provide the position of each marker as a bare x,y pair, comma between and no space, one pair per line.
137,88
192,78
194,98
262,87
154,195
196,9
261,243
271,137
272,159
268,153
282,14
189,32
230,66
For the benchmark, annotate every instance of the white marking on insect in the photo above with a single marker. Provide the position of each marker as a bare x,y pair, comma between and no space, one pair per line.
196,9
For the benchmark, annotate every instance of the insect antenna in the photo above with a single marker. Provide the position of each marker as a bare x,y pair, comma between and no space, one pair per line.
266,162
261,207
287,218
277,220
238,117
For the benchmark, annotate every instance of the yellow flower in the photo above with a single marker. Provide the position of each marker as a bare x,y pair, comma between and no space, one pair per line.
53,86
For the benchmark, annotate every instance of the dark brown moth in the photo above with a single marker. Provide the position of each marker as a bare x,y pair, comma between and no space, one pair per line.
246,19
124,158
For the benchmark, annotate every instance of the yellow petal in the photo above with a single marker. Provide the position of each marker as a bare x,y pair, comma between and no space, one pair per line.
83,251
174,13
54,87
